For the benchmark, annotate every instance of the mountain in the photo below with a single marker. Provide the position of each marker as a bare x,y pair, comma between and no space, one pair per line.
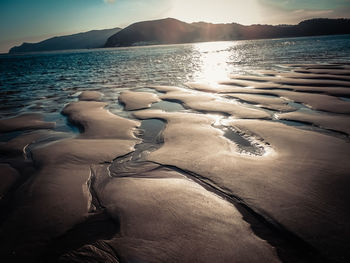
172,31
158,31
90,39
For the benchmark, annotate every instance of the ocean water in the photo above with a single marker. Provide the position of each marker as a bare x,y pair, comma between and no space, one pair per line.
46,82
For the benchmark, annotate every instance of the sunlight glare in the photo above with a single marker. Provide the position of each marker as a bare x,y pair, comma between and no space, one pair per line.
219,11
214,58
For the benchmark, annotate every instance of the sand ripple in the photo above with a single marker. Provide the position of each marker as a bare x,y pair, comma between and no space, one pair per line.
252,169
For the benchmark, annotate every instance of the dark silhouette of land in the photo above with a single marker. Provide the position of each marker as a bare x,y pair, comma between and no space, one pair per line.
172,31
90,39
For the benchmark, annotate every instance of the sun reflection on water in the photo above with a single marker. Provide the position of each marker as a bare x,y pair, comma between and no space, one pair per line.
213,59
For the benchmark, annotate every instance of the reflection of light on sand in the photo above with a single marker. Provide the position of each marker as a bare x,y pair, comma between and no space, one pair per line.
214,57
224,124
217,119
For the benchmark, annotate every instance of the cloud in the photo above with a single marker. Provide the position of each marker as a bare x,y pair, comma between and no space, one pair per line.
109,1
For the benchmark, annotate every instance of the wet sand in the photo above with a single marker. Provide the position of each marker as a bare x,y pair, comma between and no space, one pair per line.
25,122
251,169
137,100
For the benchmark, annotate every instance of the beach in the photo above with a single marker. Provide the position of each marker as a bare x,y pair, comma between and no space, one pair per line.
250,168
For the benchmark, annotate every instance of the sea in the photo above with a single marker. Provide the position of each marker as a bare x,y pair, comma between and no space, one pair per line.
46,82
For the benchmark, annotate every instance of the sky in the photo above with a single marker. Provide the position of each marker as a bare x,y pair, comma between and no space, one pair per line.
36,20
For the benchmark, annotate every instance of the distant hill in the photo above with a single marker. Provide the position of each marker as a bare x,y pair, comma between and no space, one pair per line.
172,31
90,39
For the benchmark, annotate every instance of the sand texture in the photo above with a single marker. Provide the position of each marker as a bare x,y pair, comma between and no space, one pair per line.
90,95
209,103
96,122
287,183
268,102
137,100
8,176
333,122
25,122
58,197
159,224
254,168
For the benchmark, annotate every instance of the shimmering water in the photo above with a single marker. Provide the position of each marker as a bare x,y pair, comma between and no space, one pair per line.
45,82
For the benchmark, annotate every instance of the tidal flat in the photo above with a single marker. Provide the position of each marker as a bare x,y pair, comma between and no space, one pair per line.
251,168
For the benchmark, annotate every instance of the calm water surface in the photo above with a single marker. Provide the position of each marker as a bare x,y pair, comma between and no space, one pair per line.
45,82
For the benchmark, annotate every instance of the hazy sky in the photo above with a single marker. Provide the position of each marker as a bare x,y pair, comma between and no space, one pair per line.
35,20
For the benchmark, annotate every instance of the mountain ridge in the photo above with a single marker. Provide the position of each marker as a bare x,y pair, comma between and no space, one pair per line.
173,31
88,39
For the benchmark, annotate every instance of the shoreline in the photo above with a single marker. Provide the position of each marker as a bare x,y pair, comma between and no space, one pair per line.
183,184
161,45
